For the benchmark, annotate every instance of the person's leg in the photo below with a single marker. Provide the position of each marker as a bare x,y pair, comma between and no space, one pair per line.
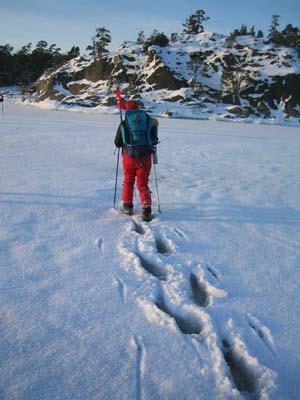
142,174
129,171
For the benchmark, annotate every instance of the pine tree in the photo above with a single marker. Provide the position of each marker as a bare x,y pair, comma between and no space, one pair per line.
174,37
260,34
91,48
6,50
252,31
53,50
244,30
41,47
194,23
25,50
290,36
274,34
141,38
74,52
157,38
100,43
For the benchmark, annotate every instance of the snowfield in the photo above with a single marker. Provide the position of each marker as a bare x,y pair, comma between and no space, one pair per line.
201,303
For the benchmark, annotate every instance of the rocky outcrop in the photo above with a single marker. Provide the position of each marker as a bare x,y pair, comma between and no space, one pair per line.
163,78
93,71
200,71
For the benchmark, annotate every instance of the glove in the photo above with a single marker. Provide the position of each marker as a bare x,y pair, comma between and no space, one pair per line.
120,101
118,93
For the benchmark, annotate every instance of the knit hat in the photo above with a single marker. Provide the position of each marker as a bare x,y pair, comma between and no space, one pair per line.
131,105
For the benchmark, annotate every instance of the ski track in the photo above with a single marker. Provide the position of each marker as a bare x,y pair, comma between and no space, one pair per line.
262,332
184,295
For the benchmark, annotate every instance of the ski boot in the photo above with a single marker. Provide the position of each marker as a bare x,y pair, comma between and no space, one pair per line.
127,208
146,214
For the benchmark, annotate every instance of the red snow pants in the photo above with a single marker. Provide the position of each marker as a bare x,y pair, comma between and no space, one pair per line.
139,169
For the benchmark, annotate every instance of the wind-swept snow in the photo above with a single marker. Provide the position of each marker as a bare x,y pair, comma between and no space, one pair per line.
203,302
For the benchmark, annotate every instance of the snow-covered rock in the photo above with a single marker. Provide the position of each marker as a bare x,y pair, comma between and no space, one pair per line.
249,73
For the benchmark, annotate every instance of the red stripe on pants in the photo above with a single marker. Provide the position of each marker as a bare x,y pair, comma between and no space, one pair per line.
139,169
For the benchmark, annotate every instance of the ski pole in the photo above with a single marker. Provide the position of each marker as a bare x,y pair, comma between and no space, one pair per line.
116,181
117,170
156,185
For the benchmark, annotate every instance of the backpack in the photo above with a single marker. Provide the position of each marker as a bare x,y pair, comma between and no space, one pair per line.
136,133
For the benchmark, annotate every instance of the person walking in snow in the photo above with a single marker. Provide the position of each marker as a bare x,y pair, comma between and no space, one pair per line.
137,136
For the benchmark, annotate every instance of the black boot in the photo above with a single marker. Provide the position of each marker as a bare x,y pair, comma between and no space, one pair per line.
128,208
146,214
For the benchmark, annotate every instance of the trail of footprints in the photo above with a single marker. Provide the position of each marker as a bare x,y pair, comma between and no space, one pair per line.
199,295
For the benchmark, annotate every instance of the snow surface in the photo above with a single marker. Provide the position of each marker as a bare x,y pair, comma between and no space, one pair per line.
201,303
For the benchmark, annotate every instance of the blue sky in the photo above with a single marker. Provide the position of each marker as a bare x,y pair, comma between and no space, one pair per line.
68,23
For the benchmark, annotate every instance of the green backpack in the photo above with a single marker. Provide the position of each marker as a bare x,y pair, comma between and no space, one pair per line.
136,129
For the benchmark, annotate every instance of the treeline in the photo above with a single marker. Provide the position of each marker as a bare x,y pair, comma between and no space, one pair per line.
26,65
289,36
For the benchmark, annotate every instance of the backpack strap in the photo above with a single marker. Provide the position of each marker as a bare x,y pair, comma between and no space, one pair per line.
126,137
129,142
148,130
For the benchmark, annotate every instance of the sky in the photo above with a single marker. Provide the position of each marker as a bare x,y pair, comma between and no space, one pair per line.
67,23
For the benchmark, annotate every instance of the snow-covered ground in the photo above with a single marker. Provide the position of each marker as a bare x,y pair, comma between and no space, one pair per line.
202,303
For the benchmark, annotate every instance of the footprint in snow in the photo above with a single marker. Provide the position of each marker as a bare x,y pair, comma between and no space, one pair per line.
138,228
151,267
187,324
200,295
162,246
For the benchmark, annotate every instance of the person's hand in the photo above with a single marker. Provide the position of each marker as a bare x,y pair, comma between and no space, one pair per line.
118,92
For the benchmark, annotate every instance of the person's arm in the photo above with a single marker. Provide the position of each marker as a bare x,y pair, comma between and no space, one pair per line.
154,131
120,101
118,138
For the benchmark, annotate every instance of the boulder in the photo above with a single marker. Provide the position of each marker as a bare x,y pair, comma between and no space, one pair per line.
262,108
178,98
77,87
163,78
44,87
291,110
231,99
240,111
